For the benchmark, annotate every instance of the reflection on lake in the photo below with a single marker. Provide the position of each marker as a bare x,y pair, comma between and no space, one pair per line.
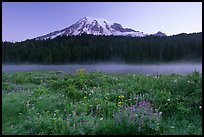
176,68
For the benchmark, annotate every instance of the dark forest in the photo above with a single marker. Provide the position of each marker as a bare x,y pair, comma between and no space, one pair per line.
97,49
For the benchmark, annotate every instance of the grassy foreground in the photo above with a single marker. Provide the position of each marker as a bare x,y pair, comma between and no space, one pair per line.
54,102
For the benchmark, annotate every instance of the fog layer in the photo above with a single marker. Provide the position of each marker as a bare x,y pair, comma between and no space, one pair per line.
177,68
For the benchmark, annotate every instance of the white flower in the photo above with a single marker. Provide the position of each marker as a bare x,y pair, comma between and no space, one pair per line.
175,80
156,110
168,99
101,118
200,107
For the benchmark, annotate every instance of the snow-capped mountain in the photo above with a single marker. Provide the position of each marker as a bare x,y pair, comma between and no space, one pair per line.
95,26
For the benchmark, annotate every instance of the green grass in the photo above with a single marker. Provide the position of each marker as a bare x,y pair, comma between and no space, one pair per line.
53,102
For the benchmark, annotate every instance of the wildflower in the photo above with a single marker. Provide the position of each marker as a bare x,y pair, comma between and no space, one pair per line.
101,118
175,80
81,71
56,111
200,107
120,103
135,98
168,99
131,108
160,113
121,97
85,97
156,110
92,91
54,118
82,121
172,127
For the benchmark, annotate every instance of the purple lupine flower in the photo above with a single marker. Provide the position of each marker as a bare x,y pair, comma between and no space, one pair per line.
131,108
136,114
140,104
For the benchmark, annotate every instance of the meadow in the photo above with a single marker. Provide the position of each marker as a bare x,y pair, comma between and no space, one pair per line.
96,103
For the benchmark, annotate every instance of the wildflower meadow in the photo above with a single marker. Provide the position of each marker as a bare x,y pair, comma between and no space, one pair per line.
95,103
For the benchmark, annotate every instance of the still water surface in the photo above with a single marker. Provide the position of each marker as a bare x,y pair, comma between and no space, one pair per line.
176,68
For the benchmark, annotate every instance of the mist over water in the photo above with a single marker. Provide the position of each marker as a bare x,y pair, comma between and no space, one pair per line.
177,68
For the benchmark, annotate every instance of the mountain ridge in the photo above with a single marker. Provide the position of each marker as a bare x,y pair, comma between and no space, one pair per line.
96,26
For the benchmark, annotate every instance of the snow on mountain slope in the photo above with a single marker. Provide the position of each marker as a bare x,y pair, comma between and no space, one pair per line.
95,26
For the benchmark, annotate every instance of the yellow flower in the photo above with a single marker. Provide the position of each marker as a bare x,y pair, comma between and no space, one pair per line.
121,97
81,71
85,97
120,103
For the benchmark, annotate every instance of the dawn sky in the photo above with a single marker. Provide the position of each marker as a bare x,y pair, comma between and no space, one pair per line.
26,20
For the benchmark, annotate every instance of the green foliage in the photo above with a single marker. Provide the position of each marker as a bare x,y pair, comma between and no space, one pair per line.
55,103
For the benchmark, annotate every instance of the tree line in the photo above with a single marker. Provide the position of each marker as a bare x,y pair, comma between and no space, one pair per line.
89,48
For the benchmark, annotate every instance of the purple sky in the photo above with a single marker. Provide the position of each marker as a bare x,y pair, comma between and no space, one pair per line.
25,20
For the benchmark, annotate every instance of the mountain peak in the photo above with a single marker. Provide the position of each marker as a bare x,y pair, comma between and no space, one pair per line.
95,26
160,34
93,18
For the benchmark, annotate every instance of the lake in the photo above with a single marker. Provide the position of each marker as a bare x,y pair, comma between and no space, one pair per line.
177,68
